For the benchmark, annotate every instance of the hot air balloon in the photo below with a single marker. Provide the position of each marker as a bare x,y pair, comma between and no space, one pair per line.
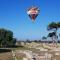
33,12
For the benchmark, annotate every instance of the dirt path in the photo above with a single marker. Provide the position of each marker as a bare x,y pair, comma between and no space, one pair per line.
6,56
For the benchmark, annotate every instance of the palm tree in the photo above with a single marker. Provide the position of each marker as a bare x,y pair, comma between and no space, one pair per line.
54,26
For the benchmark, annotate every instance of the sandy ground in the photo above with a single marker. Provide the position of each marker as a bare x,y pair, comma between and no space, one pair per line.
6,56
20,56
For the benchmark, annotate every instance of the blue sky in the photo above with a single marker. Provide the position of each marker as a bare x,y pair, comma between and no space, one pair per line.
13,16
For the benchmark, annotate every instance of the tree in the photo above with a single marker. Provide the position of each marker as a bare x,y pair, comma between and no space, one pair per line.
52,35
36,41
43,38
54,26
14,41
28,41
6,38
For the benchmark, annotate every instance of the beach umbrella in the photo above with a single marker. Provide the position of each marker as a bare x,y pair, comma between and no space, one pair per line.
33,13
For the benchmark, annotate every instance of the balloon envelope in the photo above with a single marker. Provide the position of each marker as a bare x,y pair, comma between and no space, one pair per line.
33,13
